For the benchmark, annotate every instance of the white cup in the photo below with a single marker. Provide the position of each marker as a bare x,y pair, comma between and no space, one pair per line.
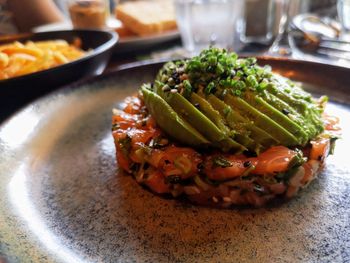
204,23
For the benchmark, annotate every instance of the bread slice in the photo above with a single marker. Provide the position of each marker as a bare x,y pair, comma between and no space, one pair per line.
124,32
147,17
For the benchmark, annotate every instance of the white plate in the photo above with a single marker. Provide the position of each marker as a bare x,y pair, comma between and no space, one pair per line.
125,44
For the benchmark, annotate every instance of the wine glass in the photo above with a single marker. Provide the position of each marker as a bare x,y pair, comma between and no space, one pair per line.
280,46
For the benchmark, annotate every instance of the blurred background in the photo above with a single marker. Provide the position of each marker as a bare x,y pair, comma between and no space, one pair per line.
169,29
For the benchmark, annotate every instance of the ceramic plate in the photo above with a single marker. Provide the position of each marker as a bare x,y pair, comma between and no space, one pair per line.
63,200
125,44
17,91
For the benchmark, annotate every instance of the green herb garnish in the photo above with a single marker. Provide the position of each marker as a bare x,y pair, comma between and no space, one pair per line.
220,161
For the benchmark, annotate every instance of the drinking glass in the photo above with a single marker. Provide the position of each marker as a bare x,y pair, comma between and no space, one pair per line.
89,13
204,23
343,7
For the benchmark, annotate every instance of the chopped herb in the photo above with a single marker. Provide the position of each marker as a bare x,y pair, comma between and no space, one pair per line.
187,88
237,92
252,81
297,160
183,163
262,85
239,84
239,73
259,188
172,179
332,144
210,88
115,126
158,142
287,175
212,60
220,161
226,110
248,170
125,144
219,69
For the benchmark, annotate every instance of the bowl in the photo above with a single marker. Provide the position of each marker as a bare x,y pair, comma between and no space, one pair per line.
18,91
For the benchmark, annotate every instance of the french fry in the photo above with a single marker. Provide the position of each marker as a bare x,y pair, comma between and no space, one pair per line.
18,59
4,60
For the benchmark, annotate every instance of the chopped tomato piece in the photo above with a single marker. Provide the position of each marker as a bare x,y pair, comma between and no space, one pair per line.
155,157
331,123
142,136
308,173
319,149
151,123
133,105
180,160
156,182
124,120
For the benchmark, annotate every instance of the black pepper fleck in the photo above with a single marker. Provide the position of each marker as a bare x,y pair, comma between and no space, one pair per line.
247,163
285,111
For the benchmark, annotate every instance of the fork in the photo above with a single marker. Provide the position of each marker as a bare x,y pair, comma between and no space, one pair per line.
320,43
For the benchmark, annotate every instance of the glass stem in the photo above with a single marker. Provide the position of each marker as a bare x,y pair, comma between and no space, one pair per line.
280,45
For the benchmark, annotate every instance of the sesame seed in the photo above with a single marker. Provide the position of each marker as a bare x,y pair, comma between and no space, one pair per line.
165,88
227,199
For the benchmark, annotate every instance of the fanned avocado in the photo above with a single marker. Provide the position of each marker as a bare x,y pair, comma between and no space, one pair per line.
170,121
237,105
199,121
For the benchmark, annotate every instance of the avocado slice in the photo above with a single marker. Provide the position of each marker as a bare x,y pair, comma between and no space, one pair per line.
298,99
291,113
246,130
207,109
261,120
199,121
170,121
261,105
